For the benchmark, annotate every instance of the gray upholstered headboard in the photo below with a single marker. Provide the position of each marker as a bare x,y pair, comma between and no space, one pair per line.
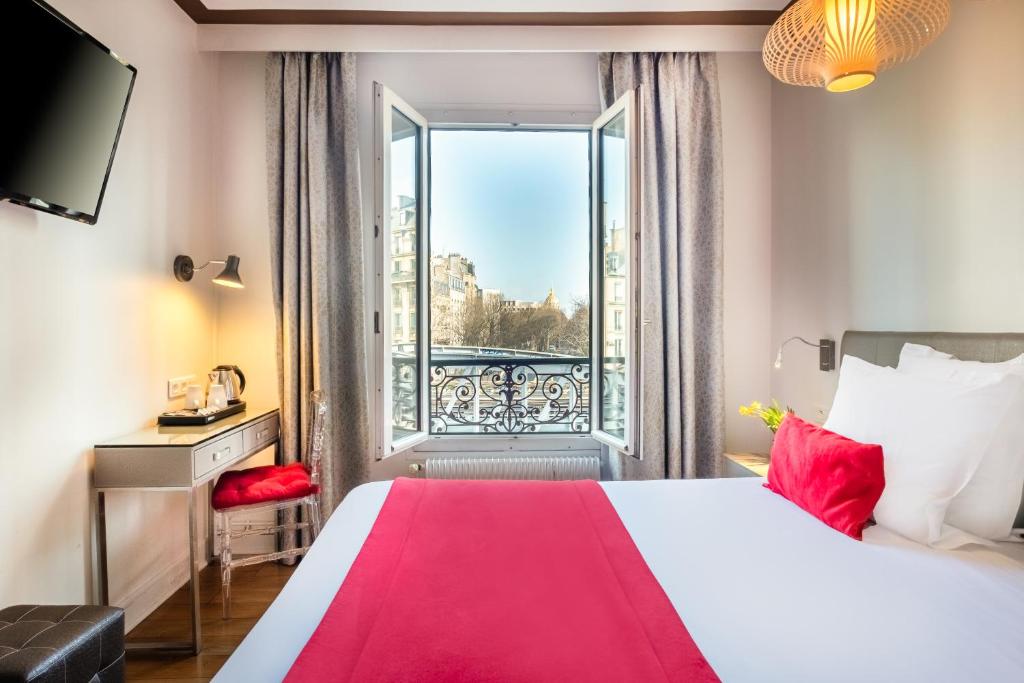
883,348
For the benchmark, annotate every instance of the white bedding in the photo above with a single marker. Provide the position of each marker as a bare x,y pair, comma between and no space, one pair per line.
768,592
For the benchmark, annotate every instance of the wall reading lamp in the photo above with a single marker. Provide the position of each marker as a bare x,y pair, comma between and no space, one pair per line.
184,269
826,353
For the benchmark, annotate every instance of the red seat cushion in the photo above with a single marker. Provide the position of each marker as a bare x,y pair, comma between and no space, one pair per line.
838,480
262,485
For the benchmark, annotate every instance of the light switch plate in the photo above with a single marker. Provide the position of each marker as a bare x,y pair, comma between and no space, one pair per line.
176,387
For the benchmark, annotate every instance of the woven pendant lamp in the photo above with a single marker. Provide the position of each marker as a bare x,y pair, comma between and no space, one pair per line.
842,45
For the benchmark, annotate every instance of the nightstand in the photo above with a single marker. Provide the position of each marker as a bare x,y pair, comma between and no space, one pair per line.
744,465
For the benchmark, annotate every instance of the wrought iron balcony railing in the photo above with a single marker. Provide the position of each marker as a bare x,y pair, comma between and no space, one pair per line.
511,395
502,391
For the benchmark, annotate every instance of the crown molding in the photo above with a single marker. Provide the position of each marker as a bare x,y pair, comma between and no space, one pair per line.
311,17
272,38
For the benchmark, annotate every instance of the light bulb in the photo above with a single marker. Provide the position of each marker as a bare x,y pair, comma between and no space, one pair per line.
851,49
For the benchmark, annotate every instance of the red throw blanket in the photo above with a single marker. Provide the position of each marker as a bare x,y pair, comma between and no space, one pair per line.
500,581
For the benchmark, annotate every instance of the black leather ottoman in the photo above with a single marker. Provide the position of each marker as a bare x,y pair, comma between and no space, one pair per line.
72,644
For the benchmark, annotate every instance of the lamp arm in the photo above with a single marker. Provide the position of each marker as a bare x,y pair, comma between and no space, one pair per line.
826,353
208,263
799,339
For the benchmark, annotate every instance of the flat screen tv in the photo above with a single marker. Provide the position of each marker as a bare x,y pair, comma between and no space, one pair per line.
64,101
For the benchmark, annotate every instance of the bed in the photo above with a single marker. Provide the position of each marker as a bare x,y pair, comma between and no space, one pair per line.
767,592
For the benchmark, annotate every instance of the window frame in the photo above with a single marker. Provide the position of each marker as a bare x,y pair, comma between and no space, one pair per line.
384,101
548,437
630,443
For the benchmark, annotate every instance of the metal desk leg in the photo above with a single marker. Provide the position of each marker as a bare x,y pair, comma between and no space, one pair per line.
193,560
102,580
196,644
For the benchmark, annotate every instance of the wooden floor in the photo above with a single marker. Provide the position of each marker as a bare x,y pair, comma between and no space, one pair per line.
253,589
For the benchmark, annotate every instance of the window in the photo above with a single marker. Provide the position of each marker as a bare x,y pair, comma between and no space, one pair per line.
400,214
510,225
510,222
530,278
616,248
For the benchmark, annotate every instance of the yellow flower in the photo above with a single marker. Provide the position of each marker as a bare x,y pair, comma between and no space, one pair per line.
756,407
744,410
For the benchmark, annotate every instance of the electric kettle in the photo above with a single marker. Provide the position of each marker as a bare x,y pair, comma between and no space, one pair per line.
231,377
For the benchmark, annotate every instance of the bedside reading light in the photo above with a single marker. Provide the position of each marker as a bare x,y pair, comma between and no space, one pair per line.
826,353
184,269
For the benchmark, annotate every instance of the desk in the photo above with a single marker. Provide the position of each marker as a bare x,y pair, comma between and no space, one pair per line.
175,459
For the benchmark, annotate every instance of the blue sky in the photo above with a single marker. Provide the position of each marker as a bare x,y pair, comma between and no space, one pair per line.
516,203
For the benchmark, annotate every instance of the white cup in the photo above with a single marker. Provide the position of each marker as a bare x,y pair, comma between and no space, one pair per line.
194,399
217,397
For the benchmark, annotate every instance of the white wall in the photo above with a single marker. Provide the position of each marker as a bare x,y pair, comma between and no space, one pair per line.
94,324
900,206
746,141
487,86
246,323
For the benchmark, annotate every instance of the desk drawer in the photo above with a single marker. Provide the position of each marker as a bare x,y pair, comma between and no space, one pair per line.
260,434
216,454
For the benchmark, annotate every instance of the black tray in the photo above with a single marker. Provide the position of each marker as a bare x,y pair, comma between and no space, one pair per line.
167,420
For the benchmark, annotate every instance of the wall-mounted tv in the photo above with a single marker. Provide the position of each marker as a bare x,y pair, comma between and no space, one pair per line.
65,99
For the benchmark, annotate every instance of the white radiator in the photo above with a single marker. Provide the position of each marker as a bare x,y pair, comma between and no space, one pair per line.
548,467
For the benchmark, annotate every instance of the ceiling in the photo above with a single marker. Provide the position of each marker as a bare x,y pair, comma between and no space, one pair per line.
485,12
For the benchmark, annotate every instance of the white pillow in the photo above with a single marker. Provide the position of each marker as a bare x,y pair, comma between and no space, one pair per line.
933,436
916,353
921,351
988,504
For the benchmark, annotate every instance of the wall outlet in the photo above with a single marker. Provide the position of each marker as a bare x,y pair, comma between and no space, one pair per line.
176,387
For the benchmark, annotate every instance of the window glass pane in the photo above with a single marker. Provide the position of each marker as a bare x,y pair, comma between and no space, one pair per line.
510,233
405,202
613,191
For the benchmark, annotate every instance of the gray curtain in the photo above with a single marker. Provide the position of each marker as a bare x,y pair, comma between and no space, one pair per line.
316,248
682,408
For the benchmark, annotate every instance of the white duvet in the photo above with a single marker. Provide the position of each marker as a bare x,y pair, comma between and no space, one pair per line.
768,592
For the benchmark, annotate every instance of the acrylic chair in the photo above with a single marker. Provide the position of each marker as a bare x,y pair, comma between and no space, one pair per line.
272,488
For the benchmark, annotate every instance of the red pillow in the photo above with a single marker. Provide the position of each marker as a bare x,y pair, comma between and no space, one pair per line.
836,479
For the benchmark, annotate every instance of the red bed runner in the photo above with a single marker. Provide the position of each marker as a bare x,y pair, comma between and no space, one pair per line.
500,581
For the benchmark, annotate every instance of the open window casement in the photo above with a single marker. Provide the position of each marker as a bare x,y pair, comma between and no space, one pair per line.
401,313
402,260
615,269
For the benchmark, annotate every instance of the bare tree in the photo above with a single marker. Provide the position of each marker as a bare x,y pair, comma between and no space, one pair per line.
531,329
489,323
480,322
574,337
443,326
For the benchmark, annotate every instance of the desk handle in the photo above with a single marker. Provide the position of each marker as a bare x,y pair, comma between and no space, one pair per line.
217,455
261,434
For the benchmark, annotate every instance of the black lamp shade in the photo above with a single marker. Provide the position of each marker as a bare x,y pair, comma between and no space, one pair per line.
229,277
